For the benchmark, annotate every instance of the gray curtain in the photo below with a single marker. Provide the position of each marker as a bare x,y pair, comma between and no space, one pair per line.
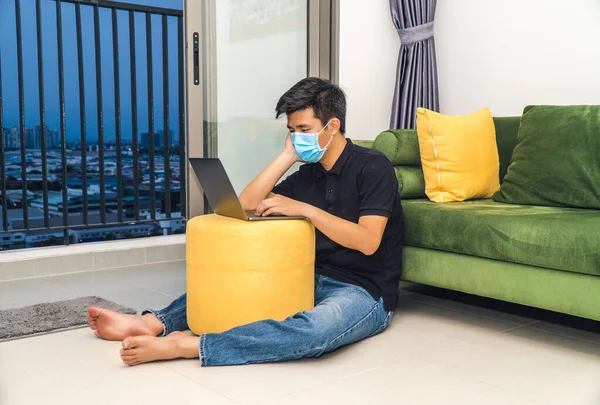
416,81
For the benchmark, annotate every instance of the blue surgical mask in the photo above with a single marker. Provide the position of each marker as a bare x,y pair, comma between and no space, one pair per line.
307,145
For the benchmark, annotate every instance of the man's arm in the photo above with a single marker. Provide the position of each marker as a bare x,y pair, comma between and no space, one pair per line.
364,236
378,188
260,188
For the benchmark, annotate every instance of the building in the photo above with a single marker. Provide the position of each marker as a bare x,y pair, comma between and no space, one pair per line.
15,217
171,137
145,140
159,139
11,137
52,139
14,197
32,138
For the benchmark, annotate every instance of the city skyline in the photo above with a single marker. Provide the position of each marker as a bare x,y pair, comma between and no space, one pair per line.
10,93
33,138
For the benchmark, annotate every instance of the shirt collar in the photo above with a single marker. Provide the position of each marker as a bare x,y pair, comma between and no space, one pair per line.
339,163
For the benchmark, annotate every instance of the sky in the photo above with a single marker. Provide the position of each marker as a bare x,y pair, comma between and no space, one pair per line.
10,90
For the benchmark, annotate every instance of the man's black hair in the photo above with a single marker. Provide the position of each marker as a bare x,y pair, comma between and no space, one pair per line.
326,99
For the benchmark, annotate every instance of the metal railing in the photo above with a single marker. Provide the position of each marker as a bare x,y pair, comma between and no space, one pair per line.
81,204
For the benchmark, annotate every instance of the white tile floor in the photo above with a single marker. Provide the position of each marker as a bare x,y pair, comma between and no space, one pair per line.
437,351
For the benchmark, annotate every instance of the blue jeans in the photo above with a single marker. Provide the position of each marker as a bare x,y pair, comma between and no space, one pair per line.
343,314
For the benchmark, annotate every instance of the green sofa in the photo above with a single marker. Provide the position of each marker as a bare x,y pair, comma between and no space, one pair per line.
542,257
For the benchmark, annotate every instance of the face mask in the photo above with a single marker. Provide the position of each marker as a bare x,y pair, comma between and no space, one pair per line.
307,145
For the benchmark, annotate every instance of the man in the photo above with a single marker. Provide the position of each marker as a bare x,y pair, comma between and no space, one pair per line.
350,194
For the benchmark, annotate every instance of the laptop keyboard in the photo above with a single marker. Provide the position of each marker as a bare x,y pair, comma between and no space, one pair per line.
252,214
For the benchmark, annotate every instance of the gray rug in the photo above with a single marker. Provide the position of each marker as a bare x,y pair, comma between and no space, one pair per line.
51,317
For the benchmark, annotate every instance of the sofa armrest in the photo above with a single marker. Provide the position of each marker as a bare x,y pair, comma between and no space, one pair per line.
364,143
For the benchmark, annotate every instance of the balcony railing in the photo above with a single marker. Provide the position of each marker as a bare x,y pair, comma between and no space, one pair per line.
61,188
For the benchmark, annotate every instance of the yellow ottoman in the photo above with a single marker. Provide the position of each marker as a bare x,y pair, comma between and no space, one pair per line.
239,272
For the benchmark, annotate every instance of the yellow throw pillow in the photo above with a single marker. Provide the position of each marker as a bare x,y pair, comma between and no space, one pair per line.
459,155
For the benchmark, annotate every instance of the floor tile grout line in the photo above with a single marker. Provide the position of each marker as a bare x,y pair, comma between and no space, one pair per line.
489,317
92,270
48,283
119,269
174,276
77,293
168,261
385,364
72,291
37,277
500,332
561,335
111,269
143,287
324,383
131,303
155,291
368,370
151,290
202,385
295,392
487,335
301,390
468,341
474,379
506,390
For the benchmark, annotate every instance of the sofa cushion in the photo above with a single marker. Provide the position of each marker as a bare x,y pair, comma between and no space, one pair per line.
459,155
557,158
365,143
411,183
401,146
507,129
555,238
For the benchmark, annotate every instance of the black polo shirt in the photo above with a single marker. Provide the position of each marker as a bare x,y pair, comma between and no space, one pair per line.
361,182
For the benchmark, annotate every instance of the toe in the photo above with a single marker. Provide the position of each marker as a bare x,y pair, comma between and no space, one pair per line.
94,312
127,352
129,359
129,343
132,360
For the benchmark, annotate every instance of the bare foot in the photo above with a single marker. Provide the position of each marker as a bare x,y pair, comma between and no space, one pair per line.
111,325
143,349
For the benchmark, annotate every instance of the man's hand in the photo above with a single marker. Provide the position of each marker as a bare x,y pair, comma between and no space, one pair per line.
289,148
261,186
281,205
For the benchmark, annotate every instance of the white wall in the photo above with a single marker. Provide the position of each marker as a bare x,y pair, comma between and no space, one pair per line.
369,47
503,54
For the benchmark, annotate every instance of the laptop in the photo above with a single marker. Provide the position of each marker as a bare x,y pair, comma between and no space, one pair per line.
221,194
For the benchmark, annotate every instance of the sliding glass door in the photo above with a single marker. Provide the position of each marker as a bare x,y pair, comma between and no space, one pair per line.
242,56
261,51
